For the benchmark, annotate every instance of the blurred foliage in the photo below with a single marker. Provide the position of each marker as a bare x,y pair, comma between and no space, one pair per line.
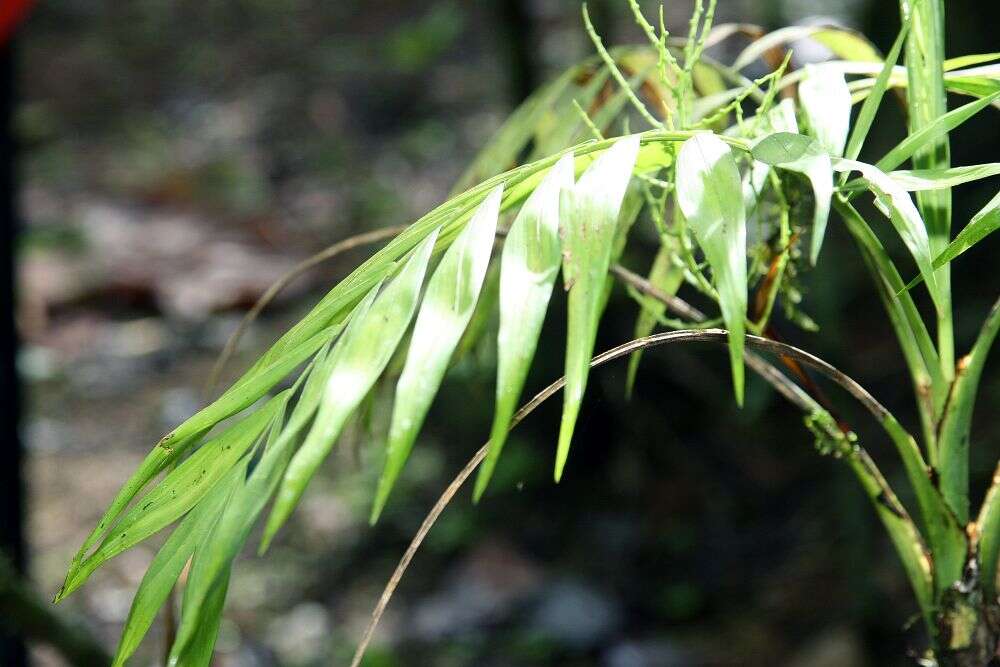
716,520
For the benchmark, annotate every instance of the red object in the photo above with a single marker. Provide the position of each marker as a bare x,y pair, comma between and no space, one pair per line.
12,12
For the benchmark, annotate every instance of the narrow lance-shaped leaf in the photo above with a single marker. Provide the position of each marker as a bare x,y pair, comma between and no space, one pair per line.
448,305
779,119
588,214
358,360
939,179
927,135
871,104
528,269
983,223
178,492
195,647
826,101
212,564
803,155
166,566
710,197
957,420
896,204
261,378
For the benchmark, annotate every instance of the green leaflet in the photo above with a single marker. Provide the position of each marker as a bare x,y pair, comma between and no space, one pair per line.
179,491
666,276
163,571
871,104
779,119
896,204
826,102
709,193
195,642
254,384
448,305
588,216
356,362
276,456
937,179
528,268
802,155
983,223
954,438
212,564
928,134
968,61
957,424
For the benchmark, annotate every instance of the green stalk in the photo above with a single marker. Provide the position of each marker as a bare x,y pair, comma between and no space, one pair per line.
926,101
954,436
914,339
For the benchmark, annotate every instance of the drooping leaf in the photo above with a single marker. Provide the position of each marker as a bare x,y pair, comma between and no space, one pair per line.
710,197
528,268
826,102
356,363
779,119
803,155
871,104
196,642
896,204
983,223
927,135
448,305
166,566
179,491
588,215
936,179
968,61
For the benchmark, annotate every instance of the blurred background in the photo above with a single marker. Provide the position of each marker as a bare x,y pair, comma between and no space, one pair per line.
175,158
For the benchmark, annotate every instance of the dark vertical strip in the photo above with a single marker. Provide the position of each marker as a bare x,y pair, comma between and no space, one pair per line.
518,41
12,651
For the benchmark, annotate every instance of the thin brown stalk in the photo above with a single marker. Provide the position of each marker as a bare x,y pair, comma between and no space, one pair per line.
866,465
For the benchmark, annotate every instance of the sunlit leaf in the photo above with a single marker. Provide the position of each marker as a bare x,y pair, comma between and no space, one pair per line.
871,104
528,268
896,204
937,179
846,44
826,102
588,215
803,155
448,305
930,133
709,193
983,223
356,362
969,60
